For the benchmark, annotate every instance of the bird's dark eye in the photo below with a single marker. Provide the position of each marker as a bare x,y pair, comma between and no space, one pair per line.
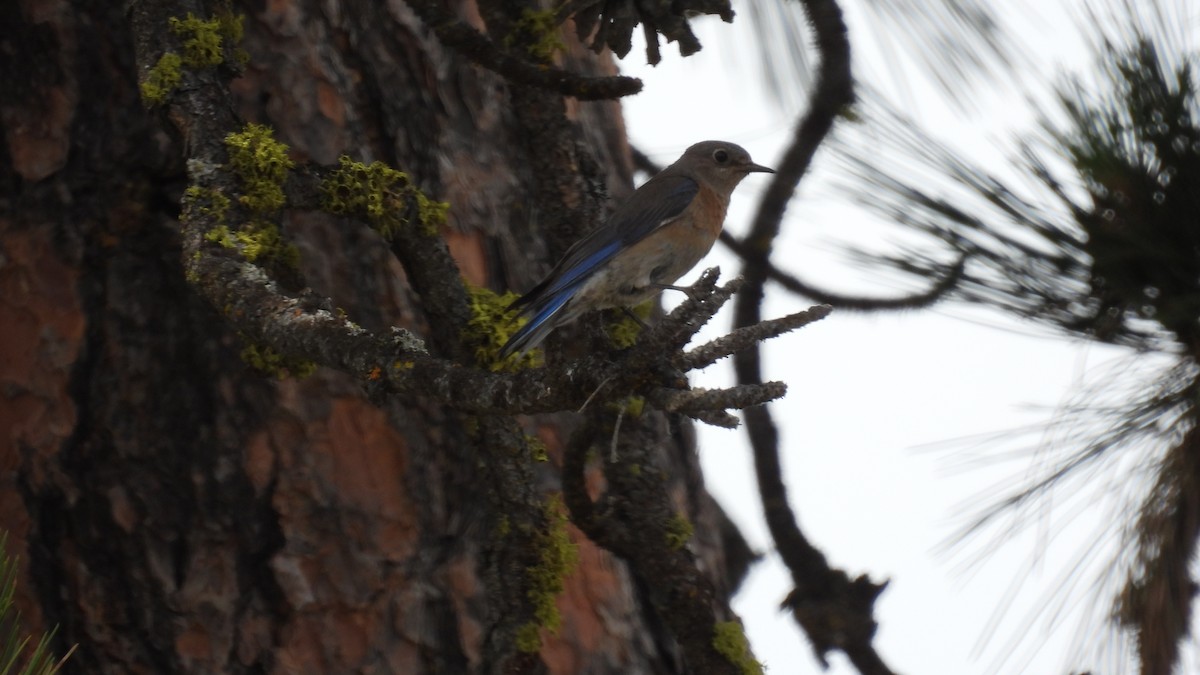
720,156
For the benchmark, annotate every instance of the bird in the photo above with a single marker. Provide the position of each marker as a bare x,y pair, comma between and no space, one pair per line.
653,238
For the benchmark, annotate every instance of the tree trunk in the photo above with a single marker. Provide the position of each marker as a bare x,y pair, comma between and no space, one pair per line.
177,511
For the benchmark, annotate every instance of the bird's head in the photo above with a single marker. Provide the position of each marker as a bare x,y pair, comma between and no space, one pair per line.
722,165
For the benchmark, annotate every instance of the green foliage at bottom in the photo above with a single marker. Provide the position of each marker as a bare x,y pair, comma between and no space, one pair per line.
17,655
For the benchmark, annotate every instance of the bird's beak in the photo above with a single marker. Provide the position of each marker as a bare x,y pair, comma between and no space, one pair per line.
758,168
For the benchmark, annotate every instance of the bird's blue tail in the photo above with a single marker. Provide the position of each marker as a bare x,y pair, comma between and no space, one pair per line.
546,312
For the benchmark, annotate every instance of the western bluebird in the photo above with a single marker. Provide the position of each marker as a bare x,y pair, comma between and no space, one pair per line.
651,240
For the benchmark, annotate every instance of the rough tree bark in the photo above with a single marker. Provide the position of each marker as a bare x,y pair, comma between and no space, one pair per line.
177,511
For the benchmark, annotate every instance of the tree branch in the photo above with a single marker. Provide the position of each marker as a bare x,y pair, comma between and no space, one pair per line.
616,21
634,519
422,252
835,613
747,337
939,290
485,53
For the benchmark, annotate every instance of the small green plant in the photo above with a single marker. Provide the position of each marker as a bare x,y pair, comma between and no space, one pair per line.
15,654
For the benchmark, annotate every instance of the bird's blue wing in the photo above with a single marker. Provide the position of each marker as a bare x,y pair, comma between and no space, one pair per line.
660,200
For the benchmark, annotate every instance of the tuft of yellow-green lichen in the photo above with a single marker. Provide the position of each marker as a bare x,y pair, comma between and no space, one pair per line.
538,32
557,557
262,164
202,44
382,195
624,332
208,203
205,40
633,406
679,532
271,362
162,79
230,26
258,240
490,327
193,270
529,638
729,639
222,236
430,213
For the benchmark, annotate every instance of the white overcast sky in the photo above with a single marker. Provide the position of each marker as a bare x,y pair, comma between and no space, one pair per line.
884,411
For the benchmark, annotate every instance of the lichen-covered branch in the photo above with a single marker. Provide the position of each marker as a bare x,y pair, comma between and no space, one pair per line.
234,204
704,300
698,403
698,399
748,336
242,181
304,327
